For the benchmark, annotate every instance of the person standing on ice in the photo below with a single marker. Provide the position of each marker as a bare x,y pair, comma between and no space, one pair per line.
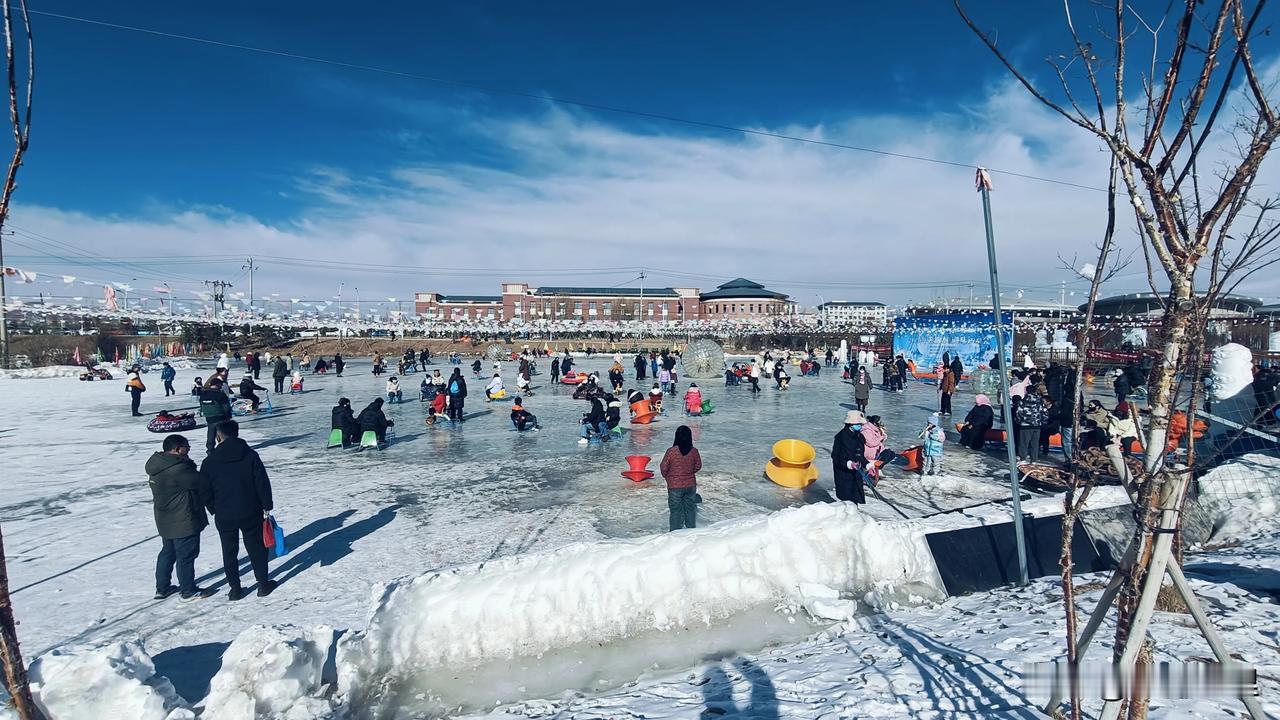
679,467
946,388
934,442
241,498
135,388
639,364
555,369
901,362
457,389
167,376
215,407
862,388
279,371
179,494
849,459
338,364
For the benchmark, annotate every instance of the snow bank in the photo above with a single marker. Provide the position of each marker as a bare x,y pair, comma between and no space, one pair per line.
40,373
116,680
271,672
1246,495
598,592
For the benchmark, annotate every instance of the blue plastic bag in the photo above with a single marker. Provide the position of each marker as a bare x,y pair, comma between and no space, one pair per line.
279,549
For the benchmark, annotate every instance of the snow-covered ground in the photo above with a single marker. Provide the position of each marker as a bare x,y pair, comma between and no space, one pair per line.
533,573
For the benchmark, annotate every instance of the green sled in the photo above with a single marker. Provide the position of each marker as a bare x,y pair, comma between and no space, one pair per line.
335,438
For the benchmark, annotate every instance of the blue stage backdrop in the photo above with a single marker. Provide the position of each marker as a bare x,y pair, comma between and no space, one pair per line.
924,338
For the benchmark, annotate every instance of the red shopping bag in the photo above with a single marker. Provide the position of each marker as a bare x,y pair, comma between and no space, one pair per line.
268,533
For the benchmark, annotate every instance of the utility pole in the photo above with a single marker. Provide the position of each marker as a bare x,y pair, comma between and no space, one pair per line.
250,267
219,294
983,181
642,315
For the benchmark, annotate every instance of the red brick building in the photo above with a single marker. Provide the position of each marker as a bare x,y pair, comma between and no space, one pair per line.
520,301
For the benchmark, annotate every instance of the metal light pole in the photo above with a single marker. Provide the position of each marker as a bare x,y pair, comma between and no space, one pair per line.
983,182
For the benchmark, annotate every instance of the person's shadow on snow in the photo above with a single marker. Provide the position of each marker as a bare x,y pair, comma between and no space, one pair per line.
717,693
334,546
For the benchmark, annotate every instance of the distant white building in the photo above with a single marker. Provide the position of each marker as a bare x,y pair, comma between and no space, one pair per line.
846,312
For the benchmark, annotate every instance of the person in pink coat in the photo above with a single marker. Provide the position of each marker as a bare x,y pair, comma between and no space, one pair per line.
693,400
874,435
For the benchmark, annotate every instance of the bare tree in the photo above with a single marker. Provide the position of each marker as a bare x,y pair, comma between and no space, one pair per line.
15,670
1187,174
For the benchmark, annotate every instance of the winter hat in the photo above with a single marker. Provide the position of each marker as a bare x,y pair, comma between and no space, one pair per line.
855,417
982,400
935,418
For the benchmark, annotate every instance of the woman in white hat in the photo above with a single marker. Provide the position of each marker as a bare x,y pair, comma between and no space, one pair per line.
849,460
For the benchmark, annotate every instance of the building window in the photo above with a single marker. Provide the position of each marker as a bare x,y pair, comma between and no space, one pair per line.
650,309
591,308
608,309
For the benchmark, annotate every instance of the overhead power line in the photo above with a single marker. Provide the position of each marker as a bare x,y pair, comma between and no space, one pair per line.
587,105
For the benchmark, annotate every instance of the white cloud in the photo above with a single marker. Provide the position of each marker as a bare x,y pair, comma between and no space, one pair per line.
579,193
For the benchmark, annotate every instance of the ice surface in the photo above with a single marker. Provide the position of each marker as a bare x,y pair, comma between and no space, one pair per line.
599,592
81,545
117,680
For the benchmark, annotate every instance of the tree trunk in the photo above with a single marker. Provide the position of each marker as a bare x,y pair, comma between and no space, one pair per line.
15,671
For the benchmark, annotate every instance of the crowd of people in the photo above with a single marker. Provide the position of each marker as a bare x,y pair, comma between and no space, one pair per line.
232,483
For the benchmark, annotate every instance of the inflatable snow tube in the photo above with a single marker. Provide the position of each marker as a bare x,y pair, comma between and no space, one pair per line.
573,378
172,423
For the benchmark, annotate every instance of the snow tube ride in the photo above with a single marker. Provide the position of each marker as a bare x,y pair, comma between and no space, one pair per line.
169,423
573,378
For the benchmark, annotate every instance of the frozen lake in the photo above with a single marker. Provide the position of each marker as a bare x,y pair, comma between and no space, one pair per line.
78,527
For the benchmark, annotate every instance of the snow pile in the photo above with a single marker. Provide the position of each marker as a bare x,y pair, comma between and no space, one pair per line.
41,373
1230,371
598,592
271,672
824,603
1246,495
80,683
1253,476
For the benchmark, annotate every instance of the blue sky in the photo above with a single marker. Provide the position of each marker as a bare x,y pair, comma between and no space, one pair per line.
145,145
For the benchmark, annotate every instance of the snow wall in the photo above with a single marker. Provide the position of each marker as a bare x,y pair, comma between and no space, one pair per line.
971,335
598,592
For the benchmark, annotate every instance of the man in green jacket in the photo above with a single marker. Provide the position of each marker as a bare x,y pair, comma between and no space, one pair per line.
179,495
215,407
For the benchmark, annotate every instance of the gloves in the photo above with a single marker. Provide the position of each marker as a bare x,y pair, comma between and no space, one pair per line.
849,464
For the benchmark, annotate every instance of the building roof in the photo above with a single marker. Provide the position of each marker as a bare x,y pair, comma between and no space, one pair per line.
607,292
850,303
1144,303
1268,310
741,288
471,298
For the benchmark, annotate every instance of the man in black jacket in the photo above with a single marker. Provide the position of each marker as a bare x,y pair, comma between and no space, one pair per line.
179,494
849,459
279,371
241,498
344,419
457,389
372,418
215,407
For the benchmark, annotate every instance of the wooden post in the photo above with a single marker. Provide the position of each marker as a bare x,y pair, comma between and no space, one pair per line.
15,670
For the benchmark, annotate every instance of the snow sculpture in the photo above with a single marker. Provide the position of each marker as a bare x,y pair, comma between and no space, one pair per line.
703,359
1230,371
1136,337
1060,341
843,353
1042,337
496,352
